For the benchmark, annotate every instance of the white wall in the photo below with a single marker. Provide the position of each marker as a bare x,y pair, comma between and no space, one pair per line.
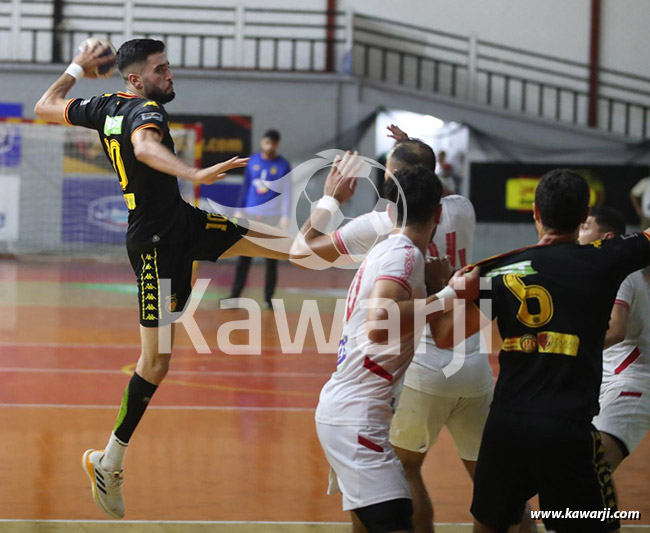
624,36
556,27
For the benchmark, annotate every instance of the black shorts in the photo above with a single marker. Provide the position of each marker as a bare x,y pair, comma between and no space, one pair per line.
561,460
164,271
384,517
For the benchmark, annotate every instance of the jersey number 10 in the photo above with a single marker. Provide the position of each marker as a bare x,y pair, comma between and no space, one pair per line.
113,148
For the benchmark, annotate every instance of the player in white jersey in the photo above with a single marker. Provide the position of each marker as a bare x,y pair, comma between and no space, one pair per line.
624,417
356,405
438,392
443,388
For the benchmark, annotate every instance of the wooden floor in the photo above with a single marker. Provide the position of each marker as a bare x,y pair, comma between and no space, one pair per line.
228,443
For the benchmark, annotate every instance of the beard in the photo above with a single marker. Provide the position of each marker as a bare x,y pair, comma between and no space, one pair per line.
155,93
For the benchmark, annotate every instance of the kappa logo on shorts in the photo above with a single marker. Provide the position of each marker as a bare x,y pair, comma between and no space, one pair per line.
149,304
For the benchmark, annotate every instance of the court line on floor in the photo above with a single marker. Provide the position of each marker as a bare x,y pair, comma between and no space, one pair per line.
182,522
232,522
228,373
158,407
202,522
88,346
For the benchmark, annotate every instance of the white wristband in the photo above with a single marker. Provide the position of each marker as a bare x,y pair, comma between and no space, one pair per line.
328,203
76,71
446,294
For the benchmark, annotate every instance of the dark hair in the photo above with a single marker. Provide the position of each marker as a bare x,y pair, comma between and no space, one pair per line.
422,191
410,153
274,135
136,51
609,219
562,197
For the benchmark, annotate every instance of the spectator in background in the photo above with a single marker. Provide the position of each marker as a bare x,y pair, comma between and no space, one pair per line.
258,202
640,198
445,172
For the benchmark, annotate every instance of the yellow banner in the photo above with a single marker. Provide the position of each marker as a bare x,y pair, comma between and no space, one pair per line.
520,193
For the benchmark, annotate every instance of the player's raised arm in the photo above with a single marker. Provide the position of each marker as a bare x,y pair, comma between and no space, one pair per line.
52,105
148,149
339,188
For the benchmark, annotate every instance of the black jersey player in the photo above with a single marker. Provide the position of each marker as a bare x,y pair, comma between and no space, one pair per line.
165,234
552,304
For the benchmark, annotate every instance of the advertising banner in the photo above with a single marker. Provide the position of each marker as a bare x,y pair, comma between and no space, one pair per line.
505,192
93,211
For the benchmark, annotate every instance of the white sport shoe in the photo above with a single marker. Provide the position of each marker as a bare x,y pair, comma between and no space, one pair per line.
106,486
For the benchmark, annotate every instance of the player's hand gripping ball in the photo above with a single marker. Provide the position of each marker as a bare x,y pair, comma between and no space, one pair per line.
104,70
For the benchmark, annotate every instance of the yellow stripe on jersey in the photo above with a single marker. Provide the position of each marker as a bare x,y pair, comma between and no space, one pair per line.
543,342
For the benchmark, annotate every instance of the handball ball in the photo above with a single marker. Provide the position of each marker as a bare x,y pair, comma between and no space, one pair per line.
106,70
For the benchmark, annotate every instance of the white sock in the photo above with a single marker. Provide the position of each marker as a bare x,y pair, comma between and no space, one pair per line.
114,454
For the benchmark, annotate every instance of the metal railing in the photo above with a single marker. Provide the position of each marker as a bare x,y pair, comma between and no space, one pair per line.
201,35
197,34
497,75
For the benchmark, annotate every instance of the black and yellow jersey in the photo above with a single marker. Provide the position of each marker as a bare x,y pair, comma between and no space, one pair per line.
552,304
157,212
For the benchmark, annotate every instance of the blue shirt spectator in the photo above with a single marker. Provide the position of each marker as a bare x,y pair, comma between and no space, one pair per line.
256,198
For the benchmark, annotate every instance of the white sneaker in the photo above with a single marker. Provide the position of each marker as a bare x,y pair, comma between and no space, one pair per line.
106,486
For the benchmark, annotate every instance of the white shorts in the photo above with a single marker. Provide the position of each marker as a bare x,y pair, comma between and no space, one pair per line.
420,417
624,412
365,468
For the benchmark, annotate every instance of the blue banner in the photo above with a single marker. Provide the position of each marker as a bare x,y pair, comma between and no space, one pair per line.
93,211
10,135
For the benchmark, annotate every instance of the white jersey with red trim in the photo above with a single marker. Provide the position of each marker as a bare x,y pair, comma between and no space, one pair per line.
470,374
630,358
454,238
368,379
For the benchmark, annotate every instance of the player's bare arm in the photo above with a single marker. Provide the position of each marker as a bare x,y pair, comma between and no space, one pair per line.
466,286
339,185
407,306
51,106
148,149
617,325
389,290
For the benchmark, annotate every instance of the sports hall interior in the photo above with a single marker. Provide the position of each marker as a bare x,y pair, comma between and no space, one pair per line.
507,89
